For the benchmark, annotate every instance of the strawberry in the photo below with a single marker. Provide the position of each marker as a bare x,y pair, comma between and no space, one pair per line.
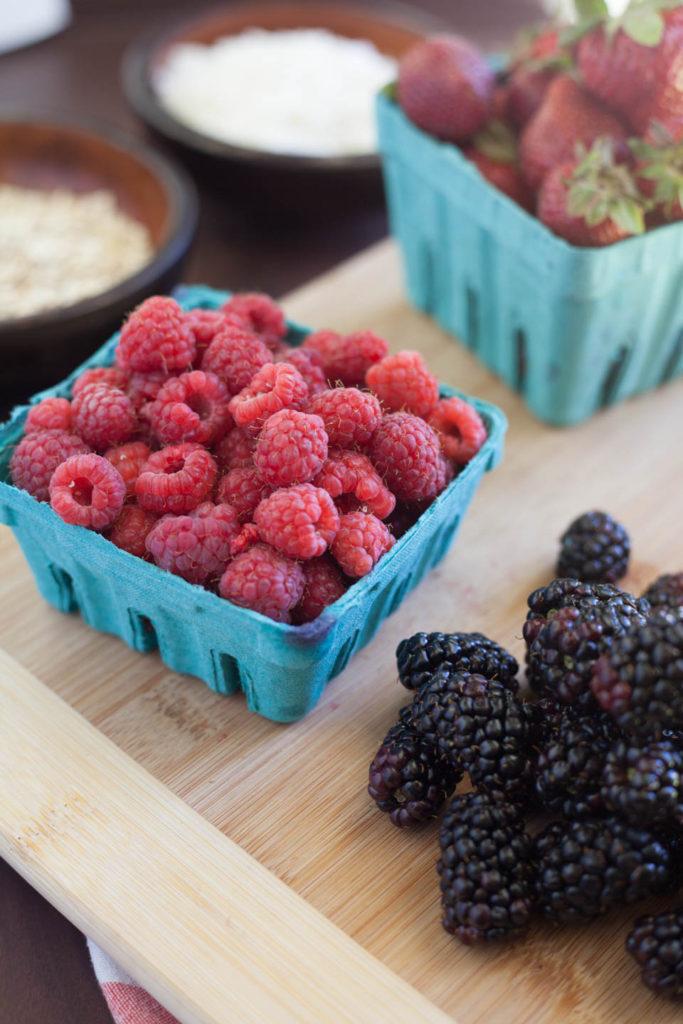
567,116
494,151
499,102
659,170
635,62
445,86
592,201
533,69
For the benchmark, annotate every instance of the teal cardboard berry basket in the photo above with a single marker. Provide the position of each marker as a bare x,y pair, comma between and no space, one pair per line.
572,330
282,669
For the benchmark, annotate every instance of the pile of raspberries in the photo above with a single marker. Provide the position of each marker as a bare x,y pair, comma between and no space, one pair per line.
574,802
271,474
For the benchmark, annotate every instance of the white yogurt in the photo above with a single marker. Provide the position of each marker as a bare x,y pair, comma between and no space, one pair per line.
302,91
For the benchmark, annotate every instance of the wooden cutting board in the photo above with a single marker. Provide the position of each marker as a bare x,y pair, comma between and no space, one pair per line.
237,867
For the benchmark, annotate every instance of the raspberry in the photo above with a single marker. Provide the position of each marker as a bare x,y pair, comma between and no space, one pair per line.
406,452
265,581
176,479
205,325
36,457
235,356
236,449
276,386
129,460
50,414
323,585
156,337
110,375
403,381
350,473
309,364
242,488
460,429
144,387
103,416
196,547
86,490
192,407
299,521
351,417
325,344
347,359
216,510
130,530
245,539
291,448
360,542
263,316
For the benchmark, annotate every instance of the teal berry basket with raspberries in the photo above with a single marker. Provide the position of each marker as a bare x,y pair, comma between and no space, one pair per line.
571,330
282,669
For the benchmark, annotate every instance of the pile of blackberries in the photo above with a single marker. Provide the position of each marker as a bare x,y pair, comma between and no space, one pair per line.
597,749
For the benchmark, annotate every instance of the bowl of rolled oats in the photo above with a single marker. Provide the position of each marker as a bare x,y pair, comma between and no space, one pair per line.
91,222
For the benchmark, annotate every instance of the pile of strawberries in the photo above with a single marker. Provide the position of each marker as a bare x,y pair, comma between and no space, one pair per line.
584,127
270,474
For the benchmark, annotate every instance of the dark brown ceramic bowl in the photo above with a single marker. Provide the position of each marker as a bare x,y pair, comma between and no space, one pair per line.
301,184
37,351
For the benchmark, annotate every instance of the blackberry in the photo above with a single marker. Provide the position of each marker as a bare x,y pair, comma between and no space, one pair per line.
656,944
666,591
639,681
485,869
409,777
644,785
481,727
569,766
594,548
420,655
587,867
568,626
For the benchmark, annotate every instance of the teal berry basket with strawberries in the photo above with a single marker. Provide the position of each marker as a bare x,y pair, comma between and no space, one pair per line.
539,210
198,629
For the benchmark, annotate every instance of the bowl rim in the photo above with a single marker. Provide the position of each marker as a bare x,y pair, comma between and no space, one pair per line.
183,218
141,95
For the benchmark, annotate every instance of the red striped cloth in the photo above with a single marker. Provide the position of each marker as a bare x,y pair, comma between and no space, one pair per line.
127,1001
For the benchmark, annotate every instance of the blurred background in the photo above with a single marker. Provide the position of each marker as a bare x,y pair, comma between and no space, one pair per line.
75,70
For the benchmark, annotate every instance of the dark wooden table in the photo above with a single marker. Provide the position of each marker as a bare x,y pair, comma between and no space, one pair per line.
45,974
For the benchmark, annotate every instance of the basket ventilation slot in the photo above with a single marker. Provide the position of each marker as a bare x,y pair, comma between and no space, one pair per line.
66,597
472,300
674,359
521,359
143,633
613,377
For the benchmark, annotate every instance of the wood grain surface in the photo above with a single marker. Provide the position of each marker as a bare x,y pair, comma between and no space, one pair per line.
294,796
201,923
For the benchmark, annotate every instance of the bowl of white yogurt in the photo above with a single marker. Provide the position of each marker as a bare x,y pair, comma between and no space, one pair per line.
274,103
